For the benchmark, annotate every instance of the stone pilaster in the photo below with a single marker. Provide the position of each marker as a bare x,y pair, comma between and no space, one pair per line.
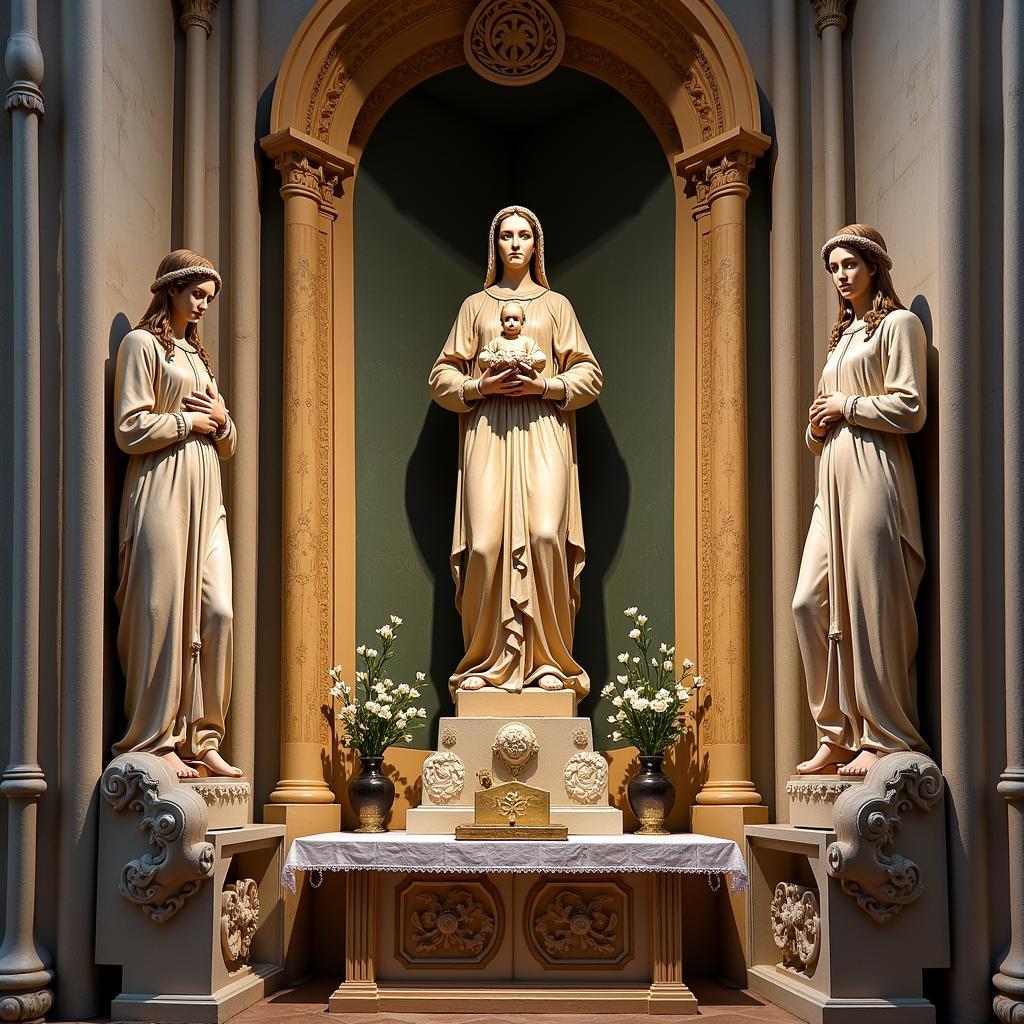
24,976
830,21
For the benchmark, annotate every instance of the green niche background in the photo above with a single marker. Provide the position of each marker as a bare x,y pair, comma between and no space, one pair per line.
443,159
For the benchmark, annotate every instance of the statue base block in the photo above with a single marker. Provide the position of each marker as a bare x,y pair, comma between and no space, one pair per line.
812,797
228,801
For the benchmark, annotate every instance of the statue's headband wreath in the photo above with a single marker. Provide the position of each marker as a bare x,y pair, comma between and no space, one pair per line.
186,273
856,242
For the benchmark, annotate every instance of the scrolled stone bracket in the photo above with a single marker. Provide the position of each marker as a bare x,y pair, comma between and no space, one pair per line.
174,821
25,1008
868,820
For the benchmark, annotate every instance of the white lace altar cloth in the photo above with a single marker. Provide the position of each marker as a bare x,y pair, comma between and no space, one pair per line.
397,851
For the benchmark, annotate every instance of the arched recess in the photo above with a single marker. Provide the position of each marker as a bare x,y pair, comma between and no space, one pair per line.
680,63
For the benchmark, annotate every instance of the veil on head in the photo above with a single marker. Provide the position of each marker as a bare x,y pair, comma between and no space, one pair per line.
539,273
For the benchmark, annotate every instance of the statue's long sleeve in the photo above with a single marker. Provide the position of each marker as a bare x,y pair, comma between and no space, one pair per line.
138,427
454,366
578,370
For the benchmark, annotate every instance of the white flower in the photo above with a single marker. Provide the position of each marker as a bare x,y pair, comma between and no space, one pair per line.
659,705
640,703
413,692
663,648
361,677
636,660
421,677
395,620
421,712
337,690
698,682
630,612
608,689
407,737
630,694
348,712
654,662
623,658
682,693
622,680
385,631
381,687
634,634
400,720
370,652
663,694
667,665
384,713
620,716
617,702
402,688
687,664
616,735
642,619
612,719
361,650
372,706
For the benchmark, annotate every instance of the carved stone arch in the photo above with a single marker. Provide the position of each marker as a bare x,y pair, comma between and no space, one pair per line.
680,63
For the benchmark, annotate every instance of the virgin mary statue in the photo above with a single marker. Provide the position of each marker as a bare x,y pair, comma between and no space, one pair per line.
517,548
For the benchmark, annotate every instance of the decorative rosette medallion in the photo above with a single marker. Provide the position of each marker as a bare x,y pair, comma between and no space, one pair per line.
586,778
514,745
514,42
444,775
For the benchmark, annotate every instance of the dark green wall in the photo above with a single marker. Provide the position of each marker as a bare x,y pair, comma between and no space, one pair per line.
443,159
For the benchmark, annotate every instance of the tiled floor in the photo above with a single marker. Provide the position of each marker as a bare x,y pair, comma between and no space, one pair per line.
723,1005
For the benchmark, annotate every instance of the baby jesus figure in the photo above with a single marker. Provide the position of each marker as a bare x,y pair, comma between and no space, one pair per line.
512,348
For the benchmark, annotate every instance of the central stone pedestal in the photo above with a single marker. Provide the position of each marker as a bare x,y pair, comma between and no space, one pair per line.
532,737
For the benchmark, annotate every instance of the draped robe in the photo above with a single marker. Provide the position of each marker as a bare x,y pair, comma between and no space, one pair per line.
517,546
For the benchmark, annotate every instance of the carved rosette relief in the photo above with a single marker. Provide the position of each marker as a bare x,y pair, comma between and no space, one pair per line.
580,924
174,821
456,923
514,42
796,925
449,737
586,778
239,918
444,775
514,746
868,821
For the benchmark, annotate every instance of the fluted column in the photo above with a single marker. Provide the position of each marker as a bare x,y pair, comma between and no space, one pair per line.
958,410
244,380
830,21
24,976
309,192
197,22
719,176
1009,982
83,560
787,415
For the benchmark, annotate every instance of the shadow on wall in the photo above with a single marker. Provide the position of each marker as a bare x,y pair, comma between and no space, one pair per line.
924,453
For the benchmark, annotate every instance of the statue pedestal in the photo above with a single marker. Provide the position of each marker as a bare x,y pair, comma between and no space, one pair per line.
842,921
812,797
532,737
191,913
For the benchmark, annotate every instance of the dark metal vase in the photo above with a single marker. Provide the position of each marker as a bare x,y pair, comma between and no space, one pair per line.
372,793
651,794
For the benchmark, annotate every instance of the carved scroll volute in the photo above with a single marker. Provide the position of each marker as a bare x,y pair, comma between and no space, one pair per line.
173,820
868,821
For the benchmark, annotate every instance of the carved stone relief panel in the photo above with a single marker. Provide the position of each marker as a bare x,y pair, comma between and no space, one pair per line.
514,42
796,925
239,918
575,922
455,922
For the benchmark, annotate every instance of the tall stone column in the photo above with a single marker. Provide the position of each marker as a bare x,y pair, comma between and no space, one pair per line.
24,976
788,416
83,558
197,22
1009,982
830,21
308,193
244,380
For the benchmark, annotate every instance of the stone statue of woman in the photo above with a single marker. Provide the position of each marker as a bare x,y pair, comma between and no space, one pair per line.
174,592
864,557
517,549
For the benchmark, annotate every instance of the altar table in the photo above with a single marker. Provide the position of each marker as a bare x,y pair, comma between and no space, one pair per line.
590,925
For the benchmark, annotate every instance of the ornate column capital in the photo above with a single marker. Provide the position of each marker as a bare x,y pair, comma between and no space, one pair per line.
720,166
308,167
197,12
829,12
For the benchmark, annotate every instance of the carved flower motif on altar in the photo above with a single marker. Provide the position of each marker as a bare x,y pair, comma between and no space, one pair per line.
796,925
454,921
515,744
444,775
571,921
240,916
586,778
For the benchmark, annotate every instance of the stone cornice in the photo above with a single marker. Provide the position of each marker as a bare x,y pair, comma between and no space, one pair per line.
197,12
308,166
721,164
829,12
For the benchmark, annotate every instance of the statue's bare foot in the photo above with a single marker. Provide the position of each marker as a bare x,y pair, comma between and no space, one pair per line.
859,766
824,761
550,682
219,766
182,770
473,683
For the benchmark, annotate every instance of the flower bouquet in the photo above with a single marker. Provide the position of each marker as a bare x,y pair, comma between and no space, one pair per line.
651,699
376,716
